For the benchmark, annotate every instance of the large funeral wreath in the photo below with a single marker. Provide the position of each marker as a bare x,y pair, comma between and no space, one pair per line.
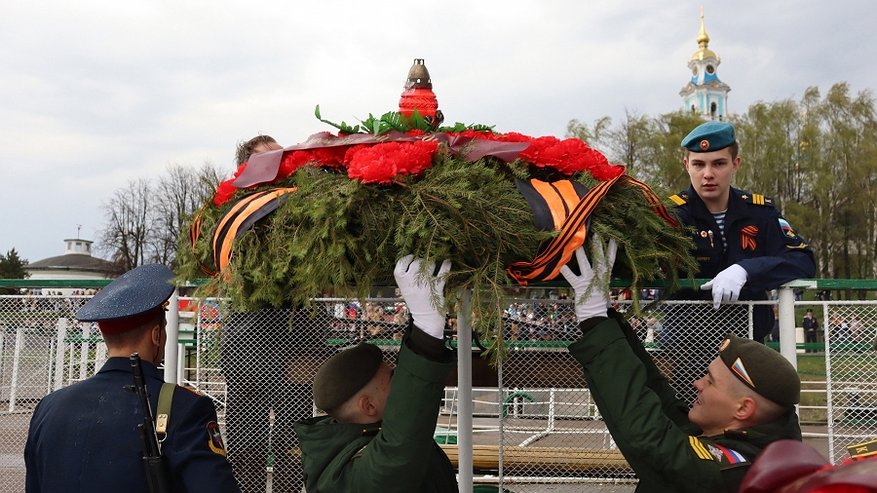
330,216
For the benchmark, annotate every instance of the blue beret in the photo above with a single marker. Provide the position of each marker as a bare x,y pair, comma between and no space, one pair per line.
710,136
137,291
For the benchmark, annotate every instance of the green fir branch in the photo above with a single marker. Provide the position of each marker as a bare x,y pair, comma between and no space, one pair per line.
335,236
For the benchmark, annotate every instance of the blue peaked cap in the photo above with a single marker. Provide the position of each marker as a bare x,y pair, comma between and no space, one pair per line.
137,291
710,136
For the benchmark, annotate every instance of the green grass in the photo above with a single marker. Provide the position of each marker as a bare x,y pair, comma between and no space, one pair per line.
811,367
846,370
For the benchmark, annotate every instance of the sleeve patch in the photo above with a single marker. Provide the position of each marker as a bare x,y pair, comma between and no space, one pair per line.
725,457
792,239
214,439
787,229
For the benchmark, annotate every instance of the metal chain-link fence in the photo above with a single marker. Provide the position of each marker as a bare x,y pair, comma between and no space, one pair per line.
534,421
849,371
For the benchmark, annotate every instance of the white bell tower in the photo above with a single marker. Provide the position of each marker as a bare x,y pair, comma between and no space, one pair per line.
705,94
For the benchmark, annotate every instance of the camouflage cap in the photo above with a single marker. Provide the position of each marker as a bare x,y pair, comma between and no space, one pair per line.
344,374
762,369
710,136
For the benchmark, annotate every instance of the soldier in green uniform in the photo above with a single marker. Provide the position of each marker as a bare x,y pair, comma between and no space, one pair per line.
378,434
745,401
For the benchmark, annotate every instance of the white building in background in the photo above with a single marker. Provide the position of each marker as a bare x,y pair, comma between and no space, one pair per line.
76,263
705,94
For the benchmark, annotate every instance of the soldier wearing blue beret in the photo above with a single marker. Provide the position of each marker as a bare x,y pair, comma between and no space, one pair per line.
742,244
84,437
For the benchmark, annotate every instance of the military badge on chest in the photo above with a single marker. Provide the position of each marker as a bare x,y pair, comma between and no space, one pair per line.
747,238
709,246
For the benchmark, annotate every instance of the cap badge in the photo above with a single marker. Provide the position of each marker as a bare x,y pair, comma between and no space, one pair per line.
726,342
741,372
704,145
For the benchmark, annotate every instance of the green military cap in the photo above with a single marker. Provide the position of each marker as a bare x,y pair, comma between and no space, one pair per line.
344,374
710,136
762,369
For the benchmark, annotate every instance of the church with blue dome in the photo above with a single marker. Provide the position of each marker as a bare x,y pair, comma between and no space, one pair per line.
704,94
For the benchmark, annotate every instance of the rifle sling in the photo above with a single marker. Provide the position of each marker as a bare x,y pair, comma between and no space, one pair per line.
163,413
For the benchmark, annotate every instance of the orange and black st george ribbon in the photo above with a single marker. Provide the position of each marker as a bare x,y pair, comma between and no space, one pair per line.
566,206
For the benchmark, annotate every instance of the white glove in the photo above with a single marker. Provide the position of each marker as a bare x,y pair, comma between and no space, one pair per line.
420,290
727,284
597,299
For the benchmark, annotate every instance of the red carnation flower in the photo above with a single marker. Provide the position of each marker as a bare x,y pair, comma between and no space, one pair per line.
477,134
224,192
515,137
330,156
292,161
570,156
607,172
350,152
382,163
240,169
320,156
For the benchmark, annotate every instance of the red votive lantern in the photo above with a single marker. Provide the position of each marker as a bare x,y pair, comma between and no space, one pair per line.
418,96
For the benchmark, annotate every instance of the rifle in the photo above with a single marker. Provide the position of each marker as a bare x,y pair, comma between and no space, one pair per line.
157,476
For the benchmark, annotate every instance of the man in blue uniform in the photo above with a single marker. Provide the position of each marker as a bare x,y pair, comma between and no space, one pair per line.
811,330
742,243
84,437
745,399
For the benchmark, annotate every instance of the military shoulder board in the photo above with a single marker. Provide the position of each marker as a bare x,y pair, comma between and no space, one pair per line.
725,457
757,199
863,450
679,199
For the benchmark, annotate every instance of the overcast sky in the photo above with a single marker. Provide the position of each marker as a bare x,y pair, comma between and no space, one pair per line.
96,94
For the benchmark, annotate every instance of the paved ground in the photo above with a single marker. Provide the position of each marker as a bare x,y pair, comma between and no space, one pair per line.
13,432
